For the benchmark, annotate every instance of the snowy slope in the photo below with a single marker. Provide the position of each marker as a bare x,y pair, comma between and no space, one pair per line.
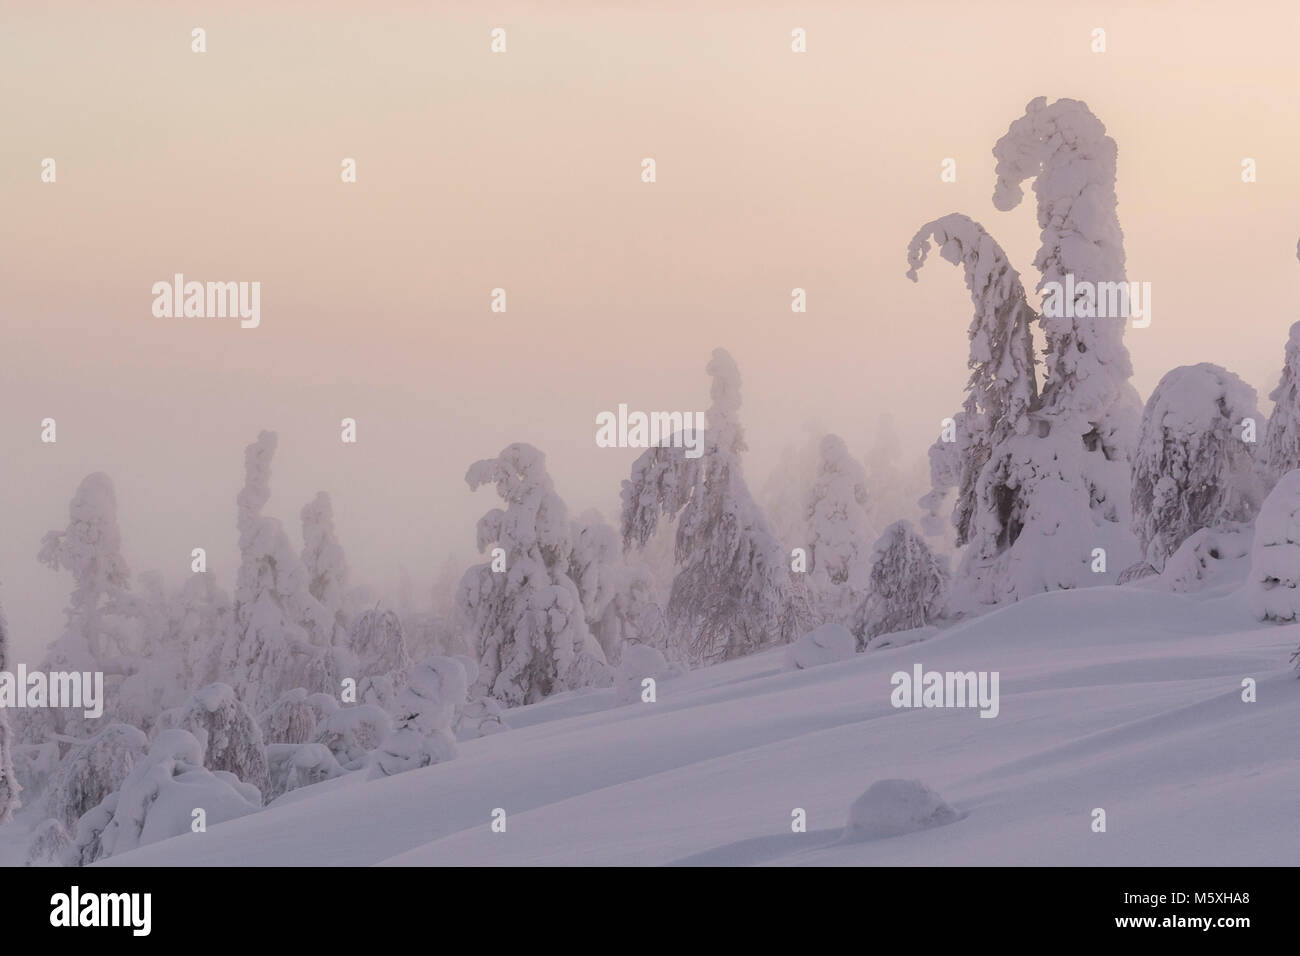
1121,698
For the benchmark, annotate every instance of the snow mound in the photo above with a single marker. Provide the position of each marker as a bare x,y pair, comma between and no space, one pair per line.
1275,558
824,645
640,661
894,807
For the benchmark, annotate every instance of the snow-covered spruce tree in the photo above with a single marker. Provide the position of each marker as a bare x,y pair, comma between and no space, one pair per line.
1002,389
531,634
840,536
617,597
99,628
908,586
231,737
1273,588
1192,469
327,574
734,594
426,711
1280,450
92,770
270,650
9,788
377,642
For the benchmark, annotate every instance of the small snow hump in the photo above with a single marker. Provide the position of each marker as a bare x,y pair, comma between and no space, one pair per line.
824,645
894,807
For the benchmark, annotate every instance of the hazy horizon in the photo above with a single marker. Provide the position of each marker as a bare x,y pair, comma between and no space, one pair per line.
522,171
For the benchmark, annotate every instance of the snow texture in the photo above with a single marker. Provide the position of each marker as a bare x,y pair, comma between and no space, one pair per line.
823,645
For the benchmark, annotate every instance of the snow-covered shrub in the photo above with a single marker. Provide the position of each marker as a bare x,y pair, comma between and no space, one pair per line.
350,733
158,797
823,645
92,770
528,621
1274,585
908,585
734,592
426,712
231,738
291,719
292,766
840,536
1209,557
894,807
1192,470
50,845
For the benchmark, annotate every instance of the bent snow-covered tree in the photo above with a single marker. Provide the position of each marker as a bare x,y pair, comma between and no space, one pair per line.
1047,497
836,513
1002,389
909,586
423,719
1192,469
528,621
734,594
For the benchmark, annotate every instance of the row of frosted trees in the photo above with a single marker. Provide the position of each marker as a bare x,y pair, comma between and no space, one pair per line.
302,675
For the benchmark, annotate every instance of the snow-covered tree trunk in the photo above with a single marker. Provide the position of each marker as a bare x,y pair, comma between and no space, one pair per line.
1192,469
734,594
523,607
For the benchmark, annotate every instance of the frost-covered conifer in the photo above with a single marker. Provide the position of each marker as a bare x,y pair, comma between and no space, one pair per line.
733,594
617,596
271,649
1192,470
291,719
840,537
378,644
531,634
351,733
908,586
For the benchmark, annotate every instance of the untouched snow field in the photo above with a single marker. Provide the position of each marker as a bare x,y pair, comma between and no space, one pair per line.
1120,698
